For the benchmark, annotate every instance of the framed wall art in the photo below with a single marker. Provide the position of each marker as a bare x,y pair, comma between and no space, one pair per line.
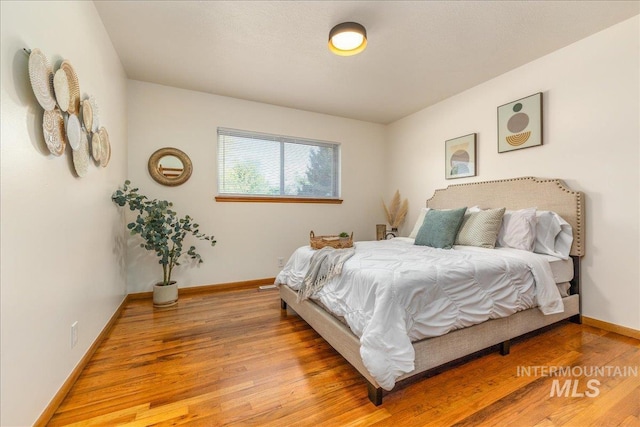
460,157
520,123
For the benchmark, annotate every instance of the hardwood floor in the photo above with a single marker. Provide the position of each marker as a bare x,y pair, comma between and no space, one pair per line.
234,358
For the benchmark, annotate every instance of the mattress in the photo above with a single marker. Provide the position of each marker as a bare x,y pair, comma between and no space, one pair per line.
562,271
393,292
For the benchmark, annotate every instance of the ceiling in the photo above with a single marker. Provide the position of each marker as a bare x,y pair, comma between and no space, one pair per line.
275,52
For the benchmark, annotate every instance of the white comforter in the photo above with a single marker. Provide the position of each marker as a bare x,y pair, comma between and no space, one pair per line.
392,292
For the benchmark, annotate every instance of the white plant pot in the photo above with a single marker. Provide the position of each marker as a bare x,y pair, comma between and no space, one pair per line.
165,296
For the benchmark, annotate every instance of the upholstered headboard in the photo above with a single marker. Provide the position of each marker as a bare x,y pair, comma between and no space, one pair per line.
519,193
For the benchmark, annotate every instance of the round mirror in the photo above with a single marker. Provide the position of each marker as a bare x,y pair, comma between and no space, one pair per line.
170,166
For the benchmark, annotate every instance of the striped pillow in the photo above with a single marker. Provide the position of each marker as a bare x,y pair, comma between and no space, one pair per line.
480,228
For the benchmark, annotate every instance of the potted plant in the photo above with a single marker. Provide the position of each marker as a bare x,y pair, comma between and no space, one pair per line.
163,232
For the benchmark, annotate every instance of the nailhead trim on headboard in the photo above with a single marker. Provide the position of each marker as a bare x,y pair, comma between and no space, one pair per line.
519,193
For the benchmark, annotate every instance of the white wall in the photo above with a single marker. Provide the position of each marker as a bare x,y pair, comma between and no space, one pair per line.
62,237
591,140
251,236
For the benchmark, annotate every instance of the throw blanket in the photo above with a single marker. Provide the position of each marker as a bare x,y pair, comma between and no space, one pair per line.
325,264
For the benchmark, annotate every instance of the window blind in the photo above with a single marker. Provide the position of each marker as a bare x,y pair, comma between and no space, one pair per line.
259,164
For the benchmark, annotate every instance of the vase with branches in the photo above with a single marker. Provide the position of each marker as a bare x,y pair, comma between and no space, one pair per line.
396,212
162,230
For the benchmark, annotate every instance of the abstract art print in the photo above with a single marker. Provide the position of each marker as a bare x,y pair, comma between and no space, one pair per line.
460,157
520,123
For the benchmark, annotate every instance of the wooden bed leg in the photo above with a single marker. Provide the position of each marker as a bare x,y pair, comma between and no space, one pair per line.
283,304
505,347
576,319
375,394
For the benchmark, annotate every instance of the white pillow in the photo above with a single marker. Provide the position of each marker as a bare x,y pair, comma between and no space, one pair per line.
554,235
518,229
419,223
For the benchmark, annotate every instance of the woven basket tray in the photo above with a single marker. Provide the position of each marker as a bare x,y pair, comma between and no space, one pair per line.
336,242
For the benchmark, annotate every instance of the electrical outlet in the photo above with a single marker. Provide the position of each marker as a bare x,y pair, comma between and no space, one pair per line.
280,262
74,334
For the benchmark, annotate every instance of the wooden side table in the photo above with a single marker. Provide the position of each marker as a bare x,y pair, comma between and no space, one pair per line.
383,234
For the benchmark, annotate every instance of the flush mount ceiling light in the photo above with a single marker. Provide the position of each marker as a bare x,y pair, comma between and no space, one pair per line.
348,38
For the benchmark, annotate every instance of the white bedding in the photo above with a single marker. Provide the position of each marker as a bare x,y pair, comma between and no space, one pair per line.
392,292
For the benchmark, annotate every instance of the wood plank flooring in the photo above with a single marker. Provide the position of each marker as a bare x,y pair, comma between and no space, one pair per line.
234,358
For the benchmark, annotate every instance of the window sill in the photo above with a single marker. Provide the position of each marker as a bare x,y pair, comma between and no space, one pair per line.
256,199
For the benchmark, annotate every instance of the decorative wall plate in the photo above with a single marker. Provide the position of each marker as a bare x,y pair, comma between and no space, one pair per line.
105,152
74,87
53,129
96,114
41,76
96,147
81,156
74,131
87,115
61,88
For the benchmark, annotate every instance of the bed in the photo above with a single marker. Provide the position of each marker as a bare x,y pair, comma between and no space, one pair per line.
435,351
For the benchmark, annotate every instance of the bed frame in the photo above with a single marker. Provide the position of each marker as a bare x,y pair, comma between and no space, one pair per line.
516,193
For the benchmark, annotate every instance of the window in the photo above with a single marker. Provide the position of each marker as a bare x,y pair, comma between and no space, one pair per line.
258,165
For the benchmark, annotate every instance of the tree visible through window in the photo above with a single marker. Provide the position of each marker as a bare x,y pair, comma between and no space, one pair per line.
255,164
245,178
317,182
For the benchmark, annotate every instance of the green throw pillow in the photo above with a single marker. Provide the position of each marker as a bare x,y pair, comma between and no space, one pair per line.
440,228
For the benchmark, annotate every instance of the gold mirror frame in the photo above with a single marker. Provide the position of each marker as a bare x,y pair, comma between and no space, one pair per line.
154,161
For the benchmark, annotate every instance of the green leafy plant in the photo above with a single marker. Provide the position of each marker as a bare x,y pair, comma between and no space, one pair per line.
161,229
344,234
